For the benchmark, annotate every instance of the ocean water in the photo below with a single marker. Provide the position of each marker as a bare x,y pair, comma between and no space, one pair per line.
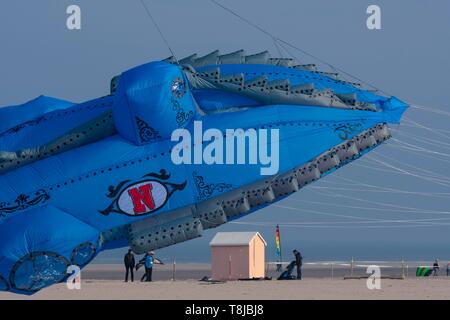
199,252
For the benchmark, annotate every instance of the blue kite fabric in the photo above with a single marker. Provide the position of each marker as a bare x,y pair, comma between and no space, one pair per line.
76,179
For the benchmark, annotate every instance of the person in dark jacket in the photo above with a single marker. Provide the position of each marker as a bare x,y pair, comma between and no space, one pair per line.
298,263
436,268
129,262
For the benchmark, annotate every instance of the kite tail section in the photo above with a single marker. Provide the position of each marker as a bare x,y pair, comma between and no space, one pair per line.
38,246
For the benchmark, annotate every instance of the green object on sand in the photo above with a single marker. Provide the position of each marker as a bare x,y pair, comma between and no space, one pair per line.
423,271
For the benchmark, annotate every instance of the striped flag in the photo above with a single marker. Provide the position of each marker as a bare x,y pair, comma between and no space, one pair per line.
277,240
278,244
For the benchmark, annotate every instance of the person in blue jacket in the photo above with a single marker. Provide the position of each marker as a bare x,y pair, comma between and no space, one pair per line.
148,261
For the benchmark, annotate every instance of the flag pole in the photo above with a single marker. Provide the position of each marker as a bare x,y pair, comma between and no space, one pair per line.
281,257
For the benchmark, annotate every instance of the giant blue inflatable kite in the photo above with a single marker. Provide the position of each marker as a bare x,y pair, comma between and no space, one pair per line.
76,179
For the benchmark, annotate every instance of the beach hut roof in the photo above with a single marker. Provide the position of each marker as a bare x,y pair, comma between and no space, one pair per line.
234,238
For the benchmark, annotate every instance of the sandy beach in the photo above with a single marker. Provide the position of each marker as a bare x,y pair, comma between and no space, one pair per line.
196,271
417,289
105,282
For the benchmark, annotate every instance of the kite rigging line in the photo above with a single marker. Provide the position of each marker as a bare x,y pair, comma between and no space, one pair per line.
276,38
147,10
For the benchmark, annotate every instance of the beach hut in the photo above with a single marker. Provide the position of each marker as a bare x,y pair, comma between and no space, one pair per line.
237,255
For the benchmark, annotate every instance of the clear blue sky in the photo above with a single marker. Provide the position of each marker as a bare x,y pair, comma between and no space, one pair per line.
409,57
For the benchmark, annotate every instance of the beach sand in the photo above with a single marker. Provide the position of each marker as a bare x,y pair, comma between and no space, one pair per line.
418,289
105,282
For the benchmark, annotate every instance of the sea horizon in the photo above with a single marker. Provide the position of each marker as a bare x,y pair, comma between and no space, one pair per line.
311,253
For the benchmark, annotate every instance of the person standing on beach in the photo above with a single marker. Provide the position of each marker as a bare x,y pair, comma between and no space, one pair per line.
148,261
142,263
298,263
436,268
129,262
448,269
